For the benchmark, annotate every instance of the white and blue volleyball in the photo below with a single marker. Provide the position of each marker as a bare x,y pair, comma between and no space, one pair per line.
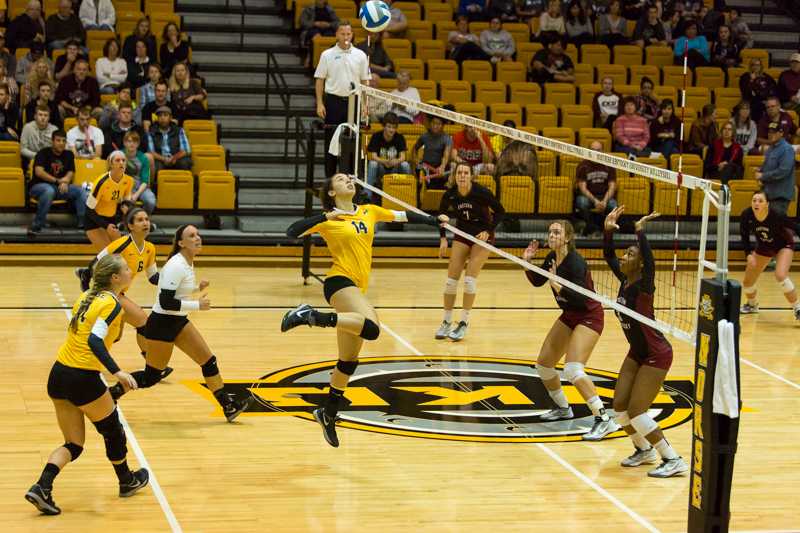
375,16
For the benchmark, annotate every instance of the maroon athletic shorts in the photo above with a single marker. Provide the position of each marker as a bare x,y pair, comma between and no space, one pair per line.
591,319
660,358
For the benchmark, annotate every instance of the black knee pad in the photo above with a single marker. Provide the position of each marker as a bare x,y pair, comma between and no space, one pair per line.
74,450
147,377
347,367
141,330
370,331
114,436
210,368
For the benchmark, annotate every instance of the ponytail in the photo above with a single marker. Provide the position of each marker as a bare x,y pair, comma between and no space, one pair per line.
102,273
176,247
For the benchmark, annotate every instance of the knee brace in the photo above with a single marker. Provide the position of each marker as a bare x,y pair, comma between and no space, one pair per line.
348,368
210,368
470,285
114,436
370,331
141,330
573,372
786,285
74,450
451,286
546,373
623,419
643,424
147,377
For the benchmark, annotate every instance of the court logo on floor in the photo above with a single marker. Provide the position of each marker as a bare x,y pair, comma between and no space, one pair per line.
481,399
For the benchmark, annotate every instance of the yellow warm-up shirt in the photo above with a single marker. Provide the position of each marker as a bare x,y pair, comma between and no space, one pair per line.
107,194
75,351
138,260
350,242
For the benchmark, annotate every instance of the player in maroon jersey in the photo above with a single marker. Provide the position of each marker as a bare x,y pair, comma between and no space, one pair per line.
649,356
774,238
576,331
477,212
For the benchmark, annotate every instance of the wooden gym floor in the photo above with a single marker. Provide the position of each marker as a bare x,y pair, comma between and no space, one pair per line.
276,473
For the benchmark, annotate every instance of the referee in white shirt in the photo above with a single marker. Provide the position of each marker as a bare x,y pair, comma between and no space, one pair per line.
340,70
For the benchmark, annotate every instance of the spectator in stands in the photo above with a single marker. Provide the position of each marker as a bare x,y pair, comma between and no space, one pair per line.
63,26
318,18
27,61
139,66
724,158
596,187
85,140
777,173
111,109
376,108
505,10
699,53
670,21
27,28
9,116
789,84
167,143
631,131
38,74
149,115
605,104
187,94
142,32
398,25
97,15
725,50
173,49
379,60
665,131
528,9
580,28
111,69
741,31
463,44
774,115
77,90
147,92
551,23
406,115
10,59
9,82
552,64
115,134
633,9
649,30
53,170
139,167
746,131
436,146
36,135
704,131
386,152
44,97
646,104
66,62
500,141
497,42
710,20
473,10
473,148
612,26
756,86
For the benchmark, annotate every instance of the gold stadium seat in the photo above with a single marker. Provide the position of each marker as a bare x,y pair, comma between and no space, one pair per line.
216,189
727,97
520,31
397,48
97,38
665,196
159,20
566,135
415,67
472,70
673,76
634,194
526,51
175,189
569,165
595,54
426,88
473,109
640,71
525,93
559,94
709,77
412,10
577,117
443,29
477,27
490,92
692,164
487,181
159,6
586,136
430,199
12,187
546,163
734,73
427,49
584,73
627,54
442,69
618,73
587,92
751,164
401,186
502,112
387,84
689,112
572,52
452,91
697,97
207,157
627,89
541,115
555,194
659,56
664,91
201,131
750,53
127,19
88,170
436,11
511,71
517,194
741,193
10,154
319,44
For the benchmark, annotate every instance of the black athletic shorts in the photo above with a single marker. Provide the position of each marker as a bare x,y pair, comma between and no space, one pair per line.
164,328
76,385
95,221
334,284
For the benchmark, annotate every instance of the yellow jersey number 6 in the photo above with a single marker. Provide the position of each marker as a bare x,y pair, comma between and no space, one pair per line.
360,227
140,267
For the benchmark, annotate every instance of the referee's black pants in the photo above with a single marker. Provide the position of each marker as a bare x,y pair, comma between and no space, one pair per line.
335,114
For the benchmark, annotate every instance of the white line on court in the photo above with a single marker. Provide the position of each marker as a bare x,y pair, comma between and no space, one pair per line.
137,450
769,373
555,456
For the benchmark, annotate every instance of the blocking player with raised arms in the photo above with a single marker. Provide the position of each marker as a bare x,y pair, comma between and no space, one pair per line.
574,334
774,238
649,356
477,212
348,230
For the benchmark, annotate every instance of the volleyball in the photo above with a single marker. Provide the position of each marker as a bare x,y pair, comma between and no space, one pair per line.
375,16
